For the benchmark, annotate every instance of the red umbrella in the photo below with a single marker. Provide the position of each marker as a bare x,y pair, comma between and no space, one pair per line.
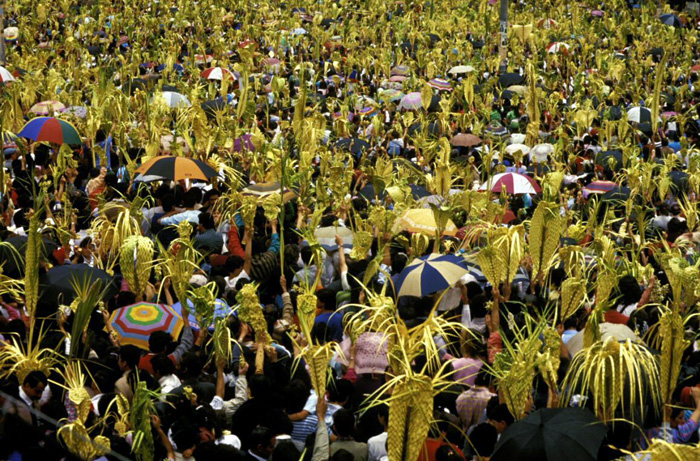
217,73
513,183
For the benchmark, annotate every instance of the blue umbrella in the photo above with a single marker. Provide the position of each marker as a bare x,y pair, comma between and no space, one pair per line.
221,310
430,274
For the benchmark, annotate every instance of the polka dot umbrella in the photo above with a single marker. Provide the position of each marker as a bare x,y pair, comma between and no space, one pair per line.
135,323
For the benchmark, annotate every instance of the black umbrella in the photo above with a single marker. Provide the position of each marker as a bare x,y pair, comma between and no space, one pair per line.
671,20
680,180
213,106
604,158
432,128
617,193
57,283
13,262
552,434
132,86
354,145
510,79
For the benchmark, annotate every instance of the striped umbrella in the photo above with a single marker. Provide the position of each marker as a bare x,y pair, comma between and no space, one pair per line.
430,274
513,183
263,189
546,23
598,187
177,168
397,78
391,95
135,323
368,111
221,309
412,101
203,58
6,76
47,107
558,47
423,221
440,84
173,100
217,73
50,129
400,70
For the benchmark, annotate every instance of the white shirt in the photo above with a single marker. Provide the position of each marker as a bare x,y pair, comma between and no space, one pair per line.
376,447
168,383
232,282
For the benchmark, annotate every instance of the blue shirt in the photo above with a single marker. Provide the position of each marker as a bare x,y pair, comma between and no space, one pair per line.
334,322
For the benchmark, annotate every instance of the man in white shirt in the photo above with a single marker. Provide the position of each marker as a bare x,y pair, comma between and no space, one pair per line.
376,446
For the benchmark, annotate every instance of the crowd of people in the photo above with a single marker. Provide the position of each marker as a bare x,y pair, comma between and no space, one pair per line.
349,231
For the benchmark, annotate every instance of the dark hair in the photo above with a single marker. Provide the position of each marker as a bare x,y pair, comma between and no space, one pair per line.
158,341
190,365
260,436
342,455
306,254
340,390
327,297
233,263
259,386
344,422
167,202
285,451
189,200
206,220
162,364
34,378
500,413
477,306
483,439
131,355
296,394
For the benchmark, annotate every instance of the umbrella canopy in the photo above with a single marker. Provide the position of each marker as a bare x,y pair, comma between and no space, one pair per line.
671,20
440,84
639,115
423,221
77,111
402,70
558,47
57,283
245,142
326,237
465,140
135,323
47,107
598,187
617,193
217,73
354,145
518,147
510,79
263,189
540,152
50,129
391,95
475,271
221,309
430,274
6,76
680,180
607,330
213,106
546,23
12,262
551,434
412,101
173,100
132,86
610,157
513,183
457,70
177,168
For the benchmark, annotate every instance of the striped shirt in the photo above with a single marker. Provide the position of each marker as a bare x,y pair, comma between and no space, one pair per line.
471,405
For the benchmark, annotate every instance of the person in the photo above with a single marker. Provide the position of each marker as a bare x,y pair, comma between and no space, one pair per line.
129,357
344,428
262,444
376,445
676,428
483,440
31,393
326,303
208,240
159,341
472,403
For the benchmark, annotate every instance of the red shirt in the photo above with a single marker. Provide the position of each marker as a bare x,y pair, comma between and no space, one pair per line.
430,447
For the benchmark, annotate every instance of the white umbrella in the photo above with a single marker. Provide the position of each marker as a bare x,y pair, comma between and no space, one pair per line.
6,76
639,115
174,100
540,152
461,70
607,330
513,148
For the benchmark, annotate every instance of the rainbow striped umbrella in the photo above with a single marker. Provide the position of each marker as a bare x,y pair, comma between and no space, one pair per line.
440,84
368,111
50,129
135,323
391,95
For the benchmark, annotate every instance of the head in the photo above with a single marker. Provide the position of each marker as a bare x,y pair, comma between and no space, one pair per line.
326,299
344,423
129,357
285,451
158,342
483,439
262,442
34,384
340,391
259,386
677,417
206,222
234,266
499,417
162,366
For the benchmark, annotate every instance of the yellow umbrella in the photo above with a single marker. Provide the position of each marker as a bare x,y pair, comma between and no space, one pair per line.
423,221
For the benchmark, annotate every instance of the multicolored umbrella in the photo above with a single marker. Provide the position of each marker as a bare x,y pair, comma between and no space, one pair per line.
558,47
135,323
47,107
412,101
6,76
391,95
50,129
423,221
440,84
545,23
177,168
430,274
217,73
221,309
598,187
513,183
368,111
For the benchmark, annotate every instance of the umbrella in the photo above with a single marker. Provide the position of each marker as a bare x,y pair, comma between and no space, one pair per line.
639,115
456,70
47,107
12,263
245,142
617,193
400,70
607,330
135,323
77,111
417,192
680,180
440,84
510,79
558,47
598,187
354,145
423,221
412,101
132,86
520,90
514,183
540,152
432,128
475,271
552,434
177,168
217,73
518,147
263,189
173,100
50,129
546,23
58,282
221,309
391,95
213,106
496,129
6,76
604,158
465,140
671,20
326,237
430,274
